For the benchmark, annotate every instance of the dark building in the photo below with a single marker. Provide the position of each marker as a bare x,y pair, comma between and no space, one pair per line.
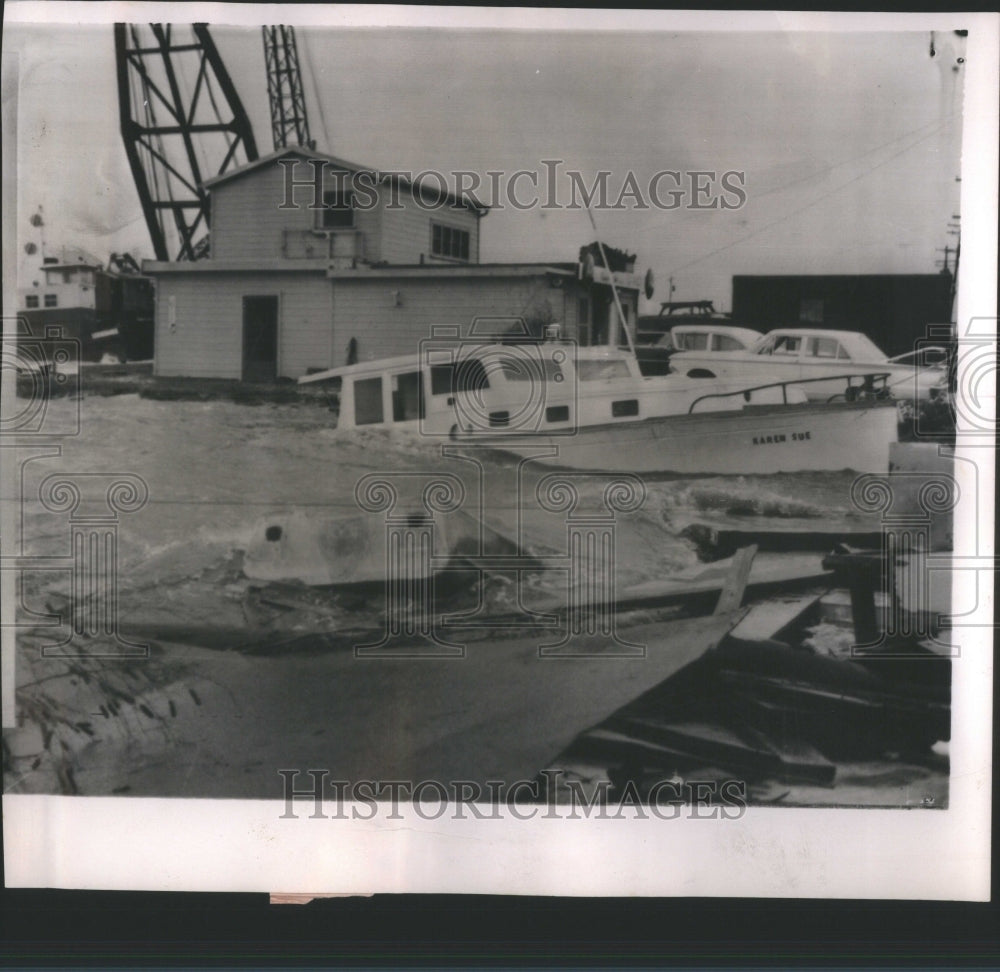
894,310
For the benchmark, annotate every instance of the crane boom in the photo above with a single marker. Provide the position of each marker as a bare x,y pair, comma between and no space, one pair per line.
182,122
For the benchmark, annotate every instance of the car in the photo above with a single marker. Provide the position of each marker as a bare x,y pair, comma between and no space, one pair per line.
812,354
654,359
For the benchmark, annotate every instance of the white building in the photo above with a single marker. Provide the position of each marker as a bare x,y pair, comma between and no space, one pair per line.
314,259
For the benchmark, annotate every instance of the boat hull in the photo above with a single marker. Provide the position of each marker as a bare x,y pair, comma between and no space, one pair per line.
754,441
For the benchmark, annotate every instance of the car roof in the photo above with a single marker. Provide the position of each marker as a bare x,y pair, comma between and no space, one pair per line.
852,340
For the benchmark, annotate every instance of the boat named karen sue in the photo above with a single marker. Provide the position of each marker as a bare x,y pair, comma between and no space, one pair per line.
593,410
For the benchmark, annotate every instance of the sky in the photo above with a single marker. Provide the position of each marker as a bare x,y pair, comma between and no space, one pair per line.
848,143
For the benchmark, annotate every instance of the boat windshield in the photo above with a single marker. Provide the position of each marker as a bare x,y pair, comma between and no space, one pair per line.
516,369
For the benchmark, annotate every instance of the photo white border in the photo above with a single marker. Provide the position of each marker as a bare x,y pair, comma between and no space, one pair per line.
229,845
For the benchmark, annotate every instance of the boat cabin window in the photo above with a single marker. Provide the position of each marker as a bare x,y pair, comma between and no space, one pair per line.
527,370
596,370
822,347
723,342
368,401
467,375
624,408
470,376
557,413
790,344
407,397
442,377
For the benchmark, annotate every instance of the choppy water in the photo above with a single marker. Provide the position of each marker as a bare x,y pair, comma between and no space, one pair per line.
215,470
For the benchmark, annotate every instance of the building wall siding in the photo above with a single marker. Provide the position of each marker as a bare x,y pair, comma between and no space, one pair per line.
248,223
406,231
318,316
206,337
367,310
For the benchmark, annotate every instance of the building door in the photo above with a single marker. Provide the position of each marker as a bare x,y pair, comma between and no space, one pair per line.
260,338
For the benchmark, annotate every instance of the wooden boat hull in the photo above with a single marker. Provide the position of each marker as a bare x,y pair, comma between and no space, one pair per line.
756,440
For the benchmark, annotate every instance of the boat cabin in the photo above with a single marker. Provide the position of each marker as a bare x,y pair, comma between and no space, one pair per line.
549,388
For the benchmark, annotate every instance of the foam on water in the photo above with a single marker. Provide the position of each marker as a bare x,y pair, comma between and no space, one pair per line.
215,469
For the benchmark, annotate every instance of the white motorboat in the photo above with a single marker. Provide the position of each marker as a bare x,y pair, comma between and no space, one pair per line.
591,409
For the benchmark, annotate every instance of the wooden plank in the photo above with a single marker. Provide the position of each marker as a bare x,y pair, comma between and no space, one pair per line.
770,618
723,536
704,742
736,583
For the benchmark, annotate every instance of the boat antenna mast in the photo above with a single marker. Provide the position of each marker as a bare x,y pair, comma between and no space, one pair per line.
611,277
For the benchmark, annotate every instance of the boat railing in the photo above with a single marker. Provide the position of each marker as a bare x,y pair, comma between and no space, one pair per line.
933,357
867,387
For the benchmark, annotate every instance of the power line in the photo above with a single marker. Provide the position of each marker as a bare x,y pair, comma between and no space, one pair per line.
937,123
807,206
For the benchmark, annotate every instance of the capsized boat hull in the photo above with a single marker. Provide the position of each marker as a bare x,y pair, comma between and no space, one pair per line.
757,440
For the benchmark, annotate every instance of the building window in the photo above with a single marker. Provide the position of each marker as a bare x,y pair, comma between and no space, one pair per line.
449,242
811,310
51,300
31,300
338,210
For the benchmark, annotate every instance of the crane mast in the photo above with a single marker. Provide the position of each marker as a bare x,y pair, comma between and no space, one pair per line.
289,121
